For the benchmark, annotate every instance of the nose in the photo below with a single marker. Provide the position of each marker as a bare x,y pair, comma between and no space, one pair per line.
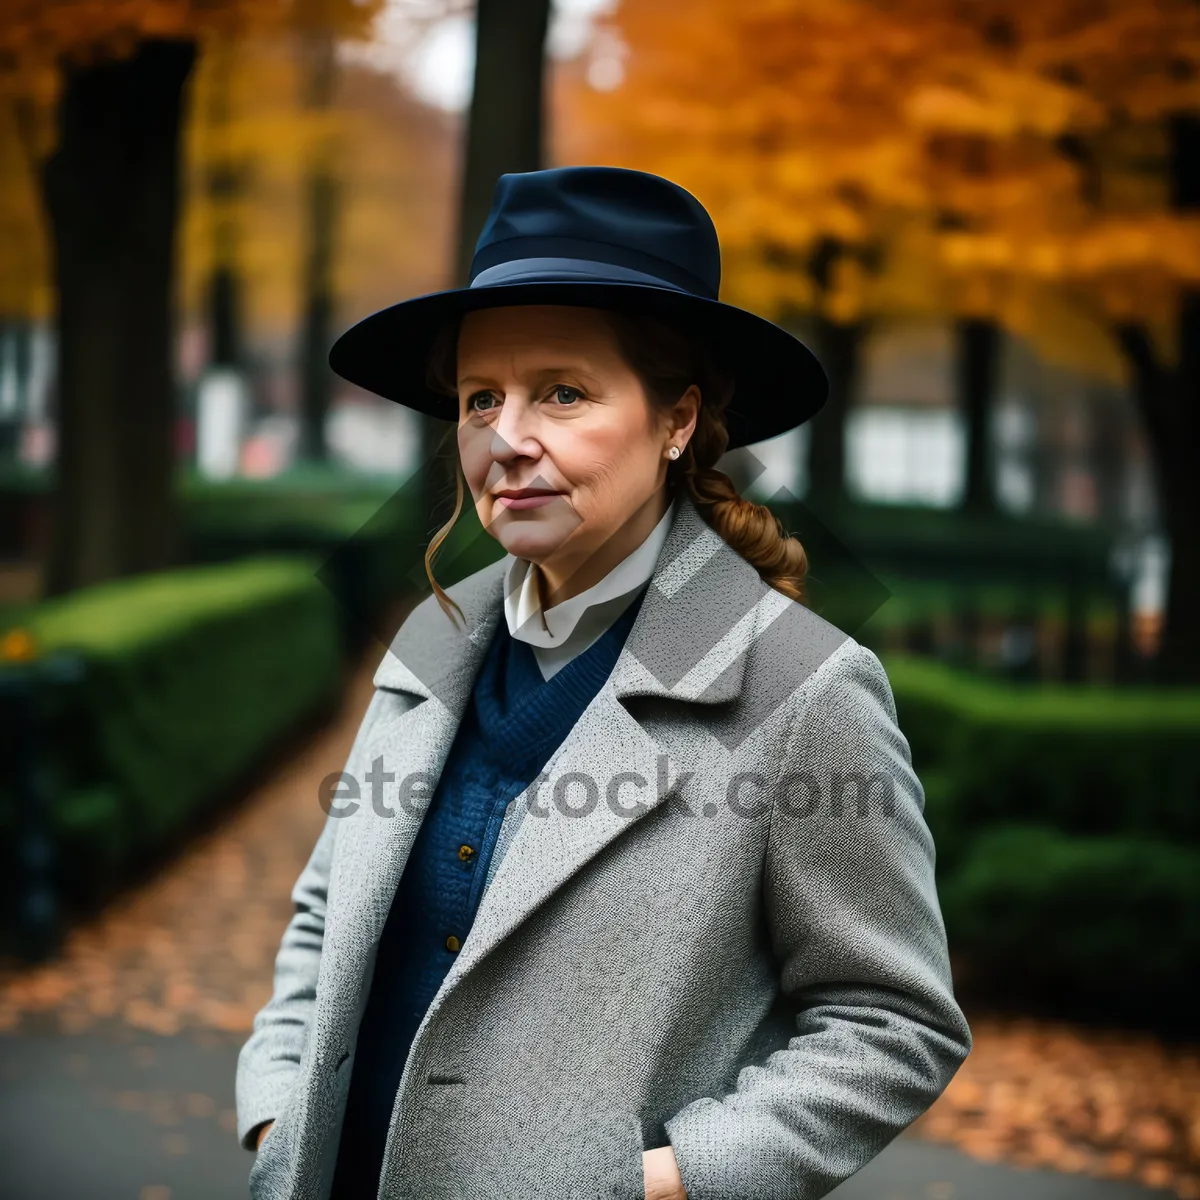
514,432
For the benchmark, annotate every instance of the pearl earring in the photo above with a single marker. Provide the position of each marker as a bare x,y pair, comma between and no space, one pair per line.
673,452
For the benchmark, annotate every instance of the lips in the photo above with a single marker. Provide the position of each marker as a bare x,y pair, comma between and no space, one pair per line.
521,498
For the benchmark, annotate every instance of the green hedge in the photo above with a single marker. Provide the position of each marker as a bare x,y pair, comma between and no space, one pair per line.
1085,760
948,543
914,601
1103,924
1066,828
157,692
361,534
367,534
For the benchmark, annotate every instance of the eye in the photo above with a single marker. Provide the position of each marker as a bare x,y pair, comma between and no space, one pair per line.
571,394
473,407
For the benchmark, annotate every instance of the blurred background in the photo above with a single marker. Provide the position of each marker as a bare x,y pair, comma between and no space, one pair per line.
984,217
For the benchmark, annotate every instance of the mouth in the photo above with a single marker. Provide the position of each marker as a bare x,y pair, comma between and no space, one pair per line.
520,498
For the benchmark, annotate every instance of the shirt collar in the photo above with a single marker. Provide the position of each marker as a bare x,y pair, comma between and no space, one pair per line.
529,622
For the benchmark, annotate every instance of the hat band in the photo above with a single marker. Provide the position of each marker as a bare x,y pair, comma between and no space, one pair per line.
586,260
564,270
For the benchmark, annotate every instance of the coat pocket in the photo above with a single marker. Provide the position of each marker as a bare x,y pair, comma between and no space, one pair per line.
266,1182
270,1173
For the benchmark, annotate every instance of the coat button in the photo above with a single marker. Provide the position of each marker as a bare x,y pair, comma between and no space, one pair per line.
452,943
466,853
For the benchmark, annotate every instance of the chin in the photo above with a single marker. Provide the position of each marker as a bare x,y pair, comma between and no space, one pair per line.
528,544
532,538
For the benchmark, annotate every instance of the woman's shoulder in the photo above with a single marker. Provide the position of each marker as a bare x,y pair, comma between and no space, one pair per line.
820,667
793,644
429,637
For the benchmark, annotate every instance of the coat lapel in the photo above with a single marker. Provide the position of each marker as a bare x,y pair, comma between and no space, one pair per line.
704,607
430,667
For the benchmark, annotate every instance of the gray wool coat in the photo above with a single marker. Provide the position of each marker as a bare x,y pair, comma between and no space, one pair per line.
711,923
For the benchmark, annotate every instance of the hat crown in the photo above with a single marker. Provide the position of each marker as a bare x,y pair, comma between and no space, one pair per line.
612,215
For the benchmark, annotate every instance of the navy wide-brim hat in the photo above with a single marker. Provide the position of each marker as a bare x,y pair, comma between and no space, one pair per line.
600,237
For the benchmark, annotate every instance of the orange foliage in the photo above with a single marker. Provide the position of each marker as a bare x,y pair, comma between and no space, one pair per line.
943,134
393,160
34,31
247,112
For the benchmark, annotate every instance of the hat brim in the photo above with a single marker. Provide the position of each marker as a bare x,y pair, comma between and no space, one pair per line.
780,384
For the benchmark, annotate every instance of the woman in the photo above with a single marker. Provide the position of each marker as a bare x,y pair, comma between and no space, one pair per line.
626,889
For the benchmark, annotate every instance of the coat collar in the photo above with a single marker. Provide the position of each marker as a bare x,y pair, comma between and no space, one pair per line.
687,643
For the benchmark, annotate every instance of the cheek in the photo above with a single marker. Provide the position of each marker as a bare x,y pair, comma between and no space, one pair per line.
607,452
474,454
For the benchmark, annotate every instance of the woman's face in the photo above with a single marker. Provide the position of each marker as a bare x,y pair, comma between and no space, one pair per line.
546,402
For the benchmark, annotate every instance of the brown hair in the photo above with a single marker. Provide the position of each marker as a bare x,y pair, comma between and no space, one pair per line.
667,359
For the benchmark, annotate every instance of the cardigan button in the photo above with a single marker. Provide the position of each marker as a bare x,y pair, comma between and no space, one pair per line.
452,943
466,852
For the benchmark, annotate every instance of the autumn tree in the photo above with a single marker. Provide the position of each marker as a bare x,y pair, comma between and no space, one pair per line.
1121,240
226,179
110,189
832,154
1023,168
393,162
321,196
786,121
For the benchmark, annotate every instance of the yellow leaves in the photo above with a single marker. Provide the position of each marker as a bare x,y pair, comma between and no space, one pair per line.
41,31
24,279
1163,245
981,294
913,283
845,298
975,252
1000,104
392,161
1129,296
990,154
752,284
942,106
840,220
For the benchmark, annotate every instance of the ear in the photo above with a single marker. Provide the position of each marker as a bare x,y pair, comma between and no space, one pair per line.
681,420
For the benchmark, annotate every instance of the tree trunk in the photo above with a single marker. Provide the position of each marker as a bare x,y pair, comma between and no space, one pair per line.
1179,652
1109,456
505,134
1173,431
839,347
505,128
316,390
316,382
15,370
224,316
1166,398
224,185
111,190
978,345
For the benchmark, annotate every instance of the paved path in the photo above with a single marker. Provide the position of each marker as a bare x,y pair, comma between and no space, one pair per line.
119,1114
911,1169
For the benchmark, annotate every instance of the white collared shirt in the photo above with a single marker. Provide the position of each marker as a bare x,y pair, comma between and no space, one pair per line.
560,632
